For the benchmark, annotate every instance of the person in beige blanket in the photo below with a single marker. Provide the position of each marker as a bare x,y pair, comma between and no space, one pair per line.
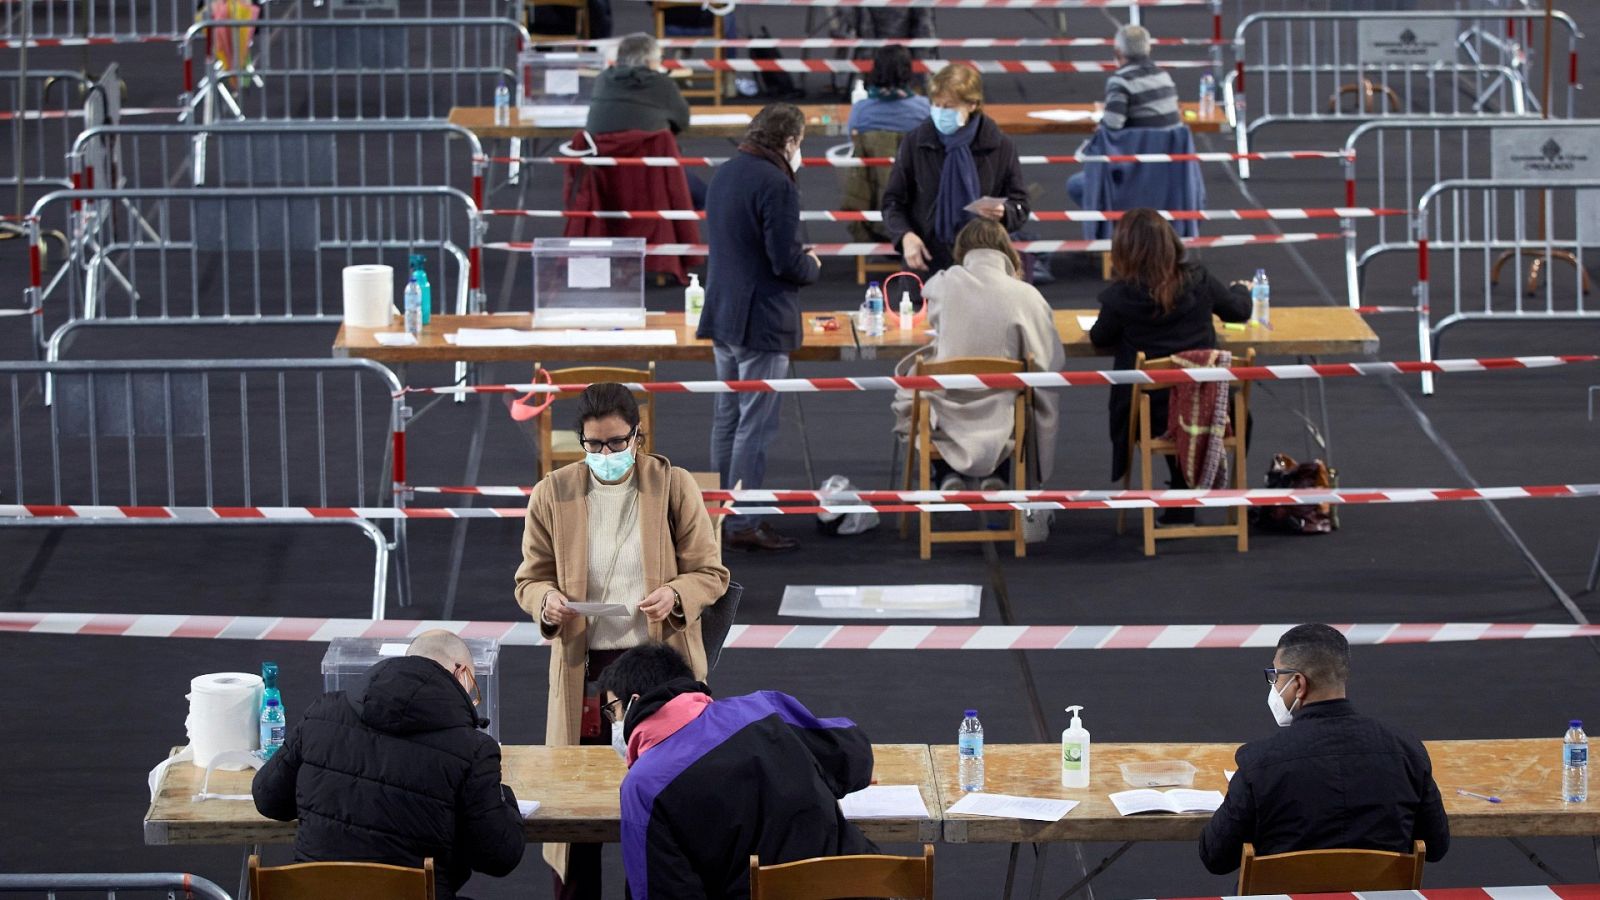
981,307
622,528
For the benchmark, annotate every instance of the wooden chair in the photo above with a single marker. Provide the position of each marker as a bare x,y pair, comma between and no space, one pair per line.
339,880
1145,446
559,446
1329,871
833,877
580,20
711,481
921,450
715,90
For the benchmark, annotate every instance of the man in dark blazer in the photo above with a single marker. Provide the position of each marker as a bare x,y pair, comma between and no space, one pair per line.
1331,778
752,312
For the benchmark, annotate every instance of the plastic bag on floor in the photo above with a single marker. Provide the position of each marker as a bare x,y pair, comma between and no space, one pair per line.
843,523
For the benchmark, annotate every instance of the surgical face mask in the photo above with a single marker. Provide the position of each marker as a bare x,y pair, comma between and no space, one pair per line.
948,120
618,742
794,158
610,466
1282,714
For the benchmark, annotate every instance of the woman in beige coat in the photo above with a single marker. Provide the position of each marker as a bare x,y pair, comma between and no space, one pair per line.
615,528
980,307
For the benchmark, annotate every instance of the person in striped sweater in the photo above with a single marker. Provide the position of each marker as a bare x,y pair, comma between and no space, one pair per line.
1139,94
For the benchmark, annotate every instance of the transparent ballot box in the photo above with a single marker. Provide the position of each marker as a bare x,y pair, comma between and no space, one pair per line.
556,79
345,665
588,282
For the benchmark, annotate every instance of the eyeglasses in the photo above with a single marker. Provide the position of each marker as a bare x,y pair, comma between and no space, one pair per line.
1272,674
615,445
607,714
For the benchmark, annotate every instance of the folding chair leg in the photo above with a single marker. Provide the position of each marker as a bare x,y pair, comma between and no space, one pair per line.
1149,514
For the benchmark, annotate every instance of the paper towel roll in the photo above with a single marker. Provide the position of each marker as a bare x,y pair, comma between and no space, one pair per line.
368,296
224,714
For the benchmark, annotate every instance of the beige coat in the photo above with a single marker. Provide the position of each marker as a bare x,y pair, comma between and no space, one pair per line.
680,549
980,308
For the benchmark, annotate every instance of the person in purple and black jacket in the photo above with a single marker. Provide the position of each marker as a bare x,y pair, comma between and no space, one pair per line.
712,782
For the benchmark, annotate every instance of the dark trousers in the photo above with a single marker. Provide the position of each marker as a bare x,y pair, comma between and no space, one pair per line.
583,860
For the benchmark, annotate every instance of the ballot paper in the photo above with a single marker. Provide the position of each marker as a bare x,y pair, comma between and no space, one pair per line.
527,808
1065,115
983,203
1087,322
597,609
1005,806
1228,774
1178,801
718,119
395,338
570,337
885,801
555,116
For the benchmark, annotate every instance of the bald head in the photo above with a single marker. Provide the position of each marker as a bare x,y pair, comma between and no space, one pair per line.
443,647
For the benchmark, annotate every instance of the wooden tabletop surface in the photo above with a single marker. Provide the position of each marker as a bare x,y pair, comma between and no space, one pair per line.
1296,331
1013,118
577,790
1523,773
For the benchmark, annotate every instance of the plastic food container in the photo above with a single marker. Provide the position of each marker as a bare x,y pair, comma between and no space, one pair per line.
1159,773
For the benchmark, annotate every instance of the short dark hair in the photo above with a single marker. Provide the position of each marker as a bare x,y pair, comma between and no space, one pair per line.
642,670
1320,652
891,68
775,126
606,398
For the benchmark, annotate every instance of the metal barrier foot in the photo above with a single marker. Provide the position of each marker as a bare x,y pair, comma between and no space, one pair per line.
1369,91
1536,268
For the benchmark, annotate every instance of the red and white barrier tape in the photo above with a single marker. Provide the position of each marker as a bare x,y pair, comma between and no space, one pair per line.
875,249
963,4
1531,892
1018,380
863,66
35,115
860,162
797,637
928,43
1048,215
955,501
44,43
1381,310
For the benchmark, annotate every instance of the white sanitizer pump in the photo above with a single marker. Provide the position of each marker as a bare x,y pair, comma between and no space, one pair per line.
1075,752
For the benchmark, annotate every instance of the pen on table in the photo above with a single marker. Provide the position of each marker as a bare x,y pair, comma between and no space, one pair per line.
1235,326
1466,793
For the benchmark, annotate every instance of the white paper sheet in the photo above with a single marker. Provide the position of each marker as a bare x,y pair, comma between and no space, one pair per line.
393,649
1065,115
1005,806
395,338
1228,775
718,119
892,601
589,272
885,801
1087,322
527,807
555,116
515,337
562,82
1177,801
586,608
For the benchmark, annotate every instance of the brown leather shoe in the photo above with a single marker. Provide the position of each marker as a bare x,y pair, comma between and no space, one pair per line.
760,538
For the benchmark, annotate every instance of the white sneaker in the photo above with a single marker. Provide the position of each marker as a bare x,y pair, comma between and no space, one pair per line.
993,484
952,482
746,86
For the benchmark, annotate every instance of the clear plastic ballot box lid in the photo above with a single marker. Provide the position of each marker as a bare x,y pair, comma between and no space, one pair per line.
557,78
588,282
345,665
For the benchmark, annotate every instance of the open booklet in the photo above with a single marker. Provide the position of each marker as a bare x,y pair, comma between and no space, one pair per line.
1177,801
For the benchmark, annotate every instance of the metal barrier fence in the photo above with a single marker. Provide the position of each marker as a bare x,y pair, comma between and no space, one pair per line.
282,154
51,884
43,111
361,10
340,69
1433,150
243,255
70,22
1484,246
210,433
1301,67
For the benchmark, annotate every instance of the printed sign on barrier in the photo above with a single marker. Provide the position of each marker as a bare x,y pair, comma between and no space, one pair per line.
1400,42
1543,153
367,5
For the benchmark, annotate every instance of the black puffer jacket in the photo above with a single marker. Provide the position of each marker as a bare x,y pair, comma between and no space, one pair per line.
394,774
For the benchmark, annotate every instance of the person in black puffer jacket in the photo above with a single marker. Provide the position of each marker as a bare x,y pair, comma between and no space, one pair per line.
398,772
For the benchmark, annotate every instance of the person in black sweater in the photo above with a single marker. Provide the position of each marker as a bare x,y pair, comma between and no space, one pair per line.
633,94
398,772
1159,304
1331,778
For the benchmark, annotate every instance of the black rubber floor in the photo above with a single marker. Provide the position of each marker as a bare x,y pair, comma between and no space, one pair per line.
85,718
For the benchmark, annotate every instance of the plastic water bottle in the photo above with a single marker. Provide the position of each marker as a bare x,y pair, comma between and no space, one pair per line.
1260,300
858,91
269,684
419,274
1208,97
413,308
272,727
969,740
872,311
1575,764
502,105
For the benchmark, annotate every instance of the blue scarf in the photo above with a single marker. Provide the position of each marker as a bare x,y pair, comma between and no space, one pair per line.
958,182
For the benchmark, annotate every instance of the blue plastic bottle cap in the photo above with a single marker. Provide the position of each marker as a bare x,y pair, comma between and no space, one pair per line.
1575,723
972,712
272,701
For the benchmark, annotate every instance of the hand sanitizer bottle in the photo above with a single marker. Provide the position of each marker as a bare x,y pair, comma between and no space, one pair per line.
694,301
908,313
1075,752
858,92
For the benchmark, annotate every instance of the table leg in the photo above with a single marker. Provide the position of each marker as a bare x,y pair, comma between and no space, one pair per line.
1083,867
244,871
1038,871
1011,871
1095,872
1540,863
805,437
458,540
1596,842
